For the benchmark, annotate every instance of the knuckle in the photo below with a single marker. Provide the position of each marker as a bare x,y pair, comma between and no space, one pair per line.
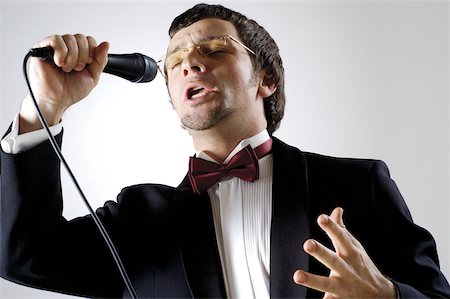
91,41
343,254
360,257
70,60
80,36
330,284
54,37
336,261
68,37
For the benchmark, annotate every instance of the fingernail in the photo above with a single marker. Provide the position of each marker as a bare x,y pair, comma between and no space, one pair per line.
300,276
67,68
324,218
79,66
310,245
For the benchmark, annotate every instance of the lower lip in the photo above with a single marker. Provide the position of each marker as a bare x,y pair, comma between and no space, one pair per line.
200,99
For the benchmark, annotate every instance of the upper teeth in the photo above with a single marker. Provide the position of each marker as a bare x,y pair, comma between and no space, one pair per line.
195,91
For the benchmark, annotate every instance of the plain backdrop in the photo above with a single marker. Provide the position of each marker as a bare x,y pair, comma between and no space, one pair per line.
363,79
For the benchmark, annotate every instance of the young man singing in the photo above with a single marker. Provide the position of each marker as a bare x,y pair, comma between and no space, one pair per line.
250,218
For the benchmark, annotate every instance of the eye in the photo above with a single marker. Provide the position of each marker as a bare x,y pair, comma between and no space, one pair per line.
175,59
212,46
215,52
176,63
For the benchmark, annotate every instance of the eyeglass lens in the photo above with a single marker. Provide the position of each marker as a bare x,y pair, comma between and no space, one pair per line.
205,47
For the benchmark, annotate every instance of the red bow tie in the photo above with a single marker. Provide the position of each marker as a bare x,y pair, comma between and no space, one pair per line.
244,165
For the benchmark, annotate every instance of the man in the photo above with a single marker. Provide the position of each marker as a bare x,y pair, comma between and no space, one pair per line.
234,238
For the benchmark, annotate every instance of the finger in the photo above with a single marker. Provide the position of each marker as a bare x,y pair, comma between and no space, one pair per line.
56,42
83,52
72,54
337,234
336,216
317,282
329,296
92,44
100,59
326,256
354,241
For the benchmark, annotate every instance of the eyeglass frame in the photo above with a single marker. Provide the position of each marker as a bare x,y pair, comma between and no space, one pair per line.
162,60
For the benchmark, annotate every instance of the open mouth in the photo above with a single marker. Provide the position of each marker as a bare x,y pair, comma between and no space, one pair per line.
196,92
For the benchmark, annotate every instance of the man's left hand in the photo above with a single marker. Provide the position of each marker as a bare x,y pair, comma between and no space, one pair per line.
352,272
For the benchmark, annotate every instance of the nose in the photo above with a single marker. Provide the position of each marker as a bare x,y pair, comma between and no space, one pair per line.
192,63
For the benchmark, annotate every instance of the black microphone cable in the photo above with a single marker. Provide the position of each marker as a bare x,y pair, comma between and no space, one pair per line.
97,220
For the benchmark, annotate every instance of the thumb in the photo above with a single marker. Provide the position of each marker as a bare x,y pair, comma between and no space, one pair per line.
336,216
100,60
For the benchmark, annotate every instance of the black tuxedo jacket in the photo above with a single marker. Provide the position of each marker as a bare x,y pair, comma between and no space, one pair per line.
167,240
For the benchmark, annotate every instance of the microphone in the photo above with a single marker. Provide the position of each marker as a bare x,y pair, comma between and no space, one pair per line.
135,67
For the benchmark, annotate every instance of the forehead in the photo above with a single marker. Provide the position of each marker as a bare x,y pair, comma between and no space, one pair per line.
201,29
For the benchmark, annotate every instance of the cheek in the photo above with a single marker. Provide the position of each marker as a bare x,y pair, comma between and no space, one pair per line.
242,72
240,81
230,79
174,91
174,98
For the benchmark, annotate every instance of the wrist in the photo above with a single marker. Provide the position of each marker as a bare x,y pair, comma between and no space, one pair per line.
29,119
390,291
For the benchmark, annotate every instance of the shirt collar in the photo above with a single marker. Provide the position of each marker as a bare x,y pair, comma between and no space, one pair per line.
254,141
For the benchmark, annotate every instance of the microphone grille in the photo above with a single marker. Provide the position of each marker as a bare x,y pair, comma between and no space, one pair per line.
151,69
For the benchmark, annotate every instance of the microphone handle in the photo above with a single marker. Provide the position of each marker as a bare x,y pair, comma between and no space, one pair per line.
134,67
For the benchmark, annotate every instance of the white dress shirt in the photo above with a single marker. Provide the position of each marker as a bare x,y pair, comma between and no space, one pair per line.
13,143
242,213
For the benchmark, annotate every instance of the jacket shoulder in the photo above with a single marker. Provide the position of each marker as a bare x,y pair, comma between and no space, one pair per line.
344,164
329,164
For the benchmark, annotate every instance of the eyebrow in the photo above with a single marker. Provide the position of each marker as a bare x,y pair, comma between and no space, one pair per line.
183,45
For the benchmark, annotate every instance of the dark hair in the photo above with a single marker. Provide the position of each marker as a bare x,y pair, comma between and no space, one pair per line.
256,38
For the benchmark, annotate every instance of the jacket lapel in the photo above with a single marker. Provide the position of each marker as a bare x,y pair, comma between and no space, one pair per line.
290,222
198,244
290,229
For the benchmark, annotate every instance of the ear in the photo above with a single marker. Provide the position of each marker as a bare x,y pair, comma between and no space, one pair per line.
267,85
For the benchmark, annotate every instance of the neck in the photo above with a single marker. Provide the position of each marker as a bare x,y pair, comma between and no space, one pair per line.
218,144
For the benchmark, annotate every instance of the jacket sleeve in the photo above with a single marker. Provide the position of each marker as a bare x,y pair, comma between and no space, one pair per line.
405,252
41,249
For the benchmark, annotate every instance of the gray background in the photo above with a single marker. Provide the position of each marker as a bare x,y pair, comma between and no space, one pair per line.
363,79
